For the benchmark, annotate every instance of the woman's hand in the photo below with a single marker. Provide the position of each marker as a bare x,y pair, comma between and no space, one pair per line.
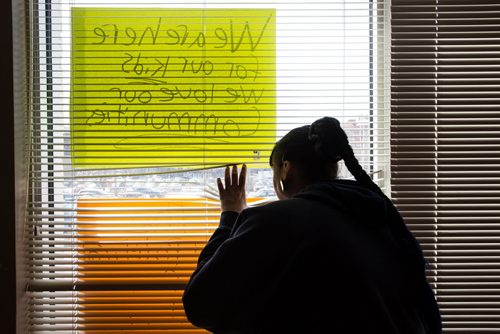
232,193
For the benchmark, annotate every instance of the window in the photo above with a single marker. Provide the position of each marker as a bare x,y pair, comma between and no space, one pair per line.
134,107
445,150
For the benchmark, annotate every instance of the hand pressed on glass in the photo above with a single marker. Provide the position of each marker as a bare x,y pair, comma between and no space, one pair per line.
232,193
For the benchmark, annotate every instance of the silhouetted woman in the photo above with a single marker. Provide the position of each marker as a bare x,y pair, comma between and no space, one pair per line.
332,256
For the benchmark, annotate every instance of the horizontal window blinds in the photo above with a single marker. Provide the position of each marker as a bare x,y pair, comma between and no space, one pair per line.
15,314
133,107
445,130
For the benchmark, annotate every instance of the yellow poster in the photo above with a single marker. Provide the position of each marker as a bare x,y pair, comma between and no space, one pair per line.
172,87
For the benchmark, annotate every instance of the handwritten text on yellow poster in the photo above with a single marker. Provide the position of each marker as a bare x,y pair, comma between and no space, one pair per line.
172,87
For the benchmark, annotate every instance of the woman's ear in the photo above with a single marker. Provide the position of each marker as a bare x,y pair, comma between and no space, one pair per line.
286,170
289,179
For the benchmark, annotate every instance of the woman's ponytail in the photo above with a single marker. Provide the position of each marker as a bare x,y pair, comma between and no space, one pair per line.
331,142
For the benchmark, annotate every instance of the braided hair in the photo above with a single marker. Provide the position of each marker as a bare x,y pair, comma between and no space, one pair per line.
330,141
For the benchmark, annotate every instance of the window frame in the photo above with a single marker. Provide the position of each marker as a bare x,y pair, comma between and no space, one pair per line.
384,91
10,289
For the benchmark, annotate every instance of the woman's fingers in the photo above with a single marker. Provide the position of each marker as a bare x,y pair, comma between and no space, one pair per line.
231,178
234,176
232,190
227,178
220,186
243,176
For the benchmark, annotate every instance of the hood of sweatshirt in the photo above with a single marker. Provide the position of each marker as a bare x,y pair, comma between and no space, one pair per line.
348,196
371,209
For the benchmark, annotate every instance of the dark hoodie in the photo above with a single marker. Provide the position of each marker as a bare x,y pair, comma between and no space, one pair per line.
326,261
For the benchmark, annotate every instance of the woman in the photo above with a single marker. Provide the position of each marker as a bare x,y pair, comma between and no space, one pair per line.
332,256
